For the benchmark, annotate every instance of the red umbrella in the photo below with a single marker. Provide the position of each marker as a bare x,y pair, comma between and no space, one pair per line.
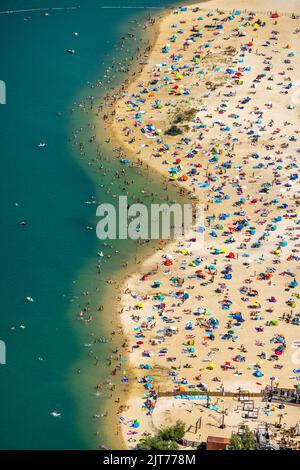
168,262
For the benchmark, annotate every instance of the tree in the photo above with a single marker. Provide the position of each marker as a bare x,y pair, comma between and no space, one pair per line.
166,438
173,433
149,442
246,441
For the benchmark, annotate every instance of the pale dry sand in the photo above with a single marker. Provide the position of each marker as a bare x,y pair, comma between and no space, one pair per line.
239,181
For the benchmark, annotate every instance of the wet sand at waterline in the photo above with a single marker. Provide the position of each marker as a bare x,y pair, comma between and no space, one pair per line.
55,357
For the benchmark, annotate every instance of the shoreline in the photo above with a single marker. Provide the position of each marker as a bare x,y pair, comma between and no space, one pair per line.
110,129
109,133
133,393
132,397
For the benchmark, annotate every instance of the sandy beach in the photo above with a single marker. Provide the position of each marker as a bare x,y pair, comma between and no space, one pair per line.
215,110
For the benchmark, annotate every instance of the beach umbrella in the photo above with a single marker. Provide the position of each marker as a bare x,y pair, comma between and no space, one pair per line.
212,366
168,262
238,317
258,373
156,284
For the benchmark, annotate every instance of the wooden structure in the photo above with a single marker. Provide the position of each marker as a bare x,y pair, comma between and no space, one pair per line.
217,443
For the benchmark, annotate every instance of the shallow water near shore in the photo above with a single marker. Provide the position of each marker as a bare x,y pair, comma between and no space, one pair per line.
53,259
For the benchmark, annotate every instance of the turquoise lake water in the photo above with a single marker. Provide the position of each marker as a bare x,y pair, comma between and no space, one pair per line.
53,259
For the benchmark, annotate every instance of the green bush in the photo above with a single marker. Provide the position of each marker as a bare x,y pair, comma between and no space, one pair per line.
186,115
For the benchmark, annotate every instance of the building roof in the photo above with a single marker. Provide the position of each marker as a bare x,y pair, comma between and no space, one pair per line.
217,443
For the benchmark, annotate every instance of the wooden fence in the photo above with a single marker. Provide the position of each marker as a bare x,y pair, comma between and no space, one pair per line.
212,394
